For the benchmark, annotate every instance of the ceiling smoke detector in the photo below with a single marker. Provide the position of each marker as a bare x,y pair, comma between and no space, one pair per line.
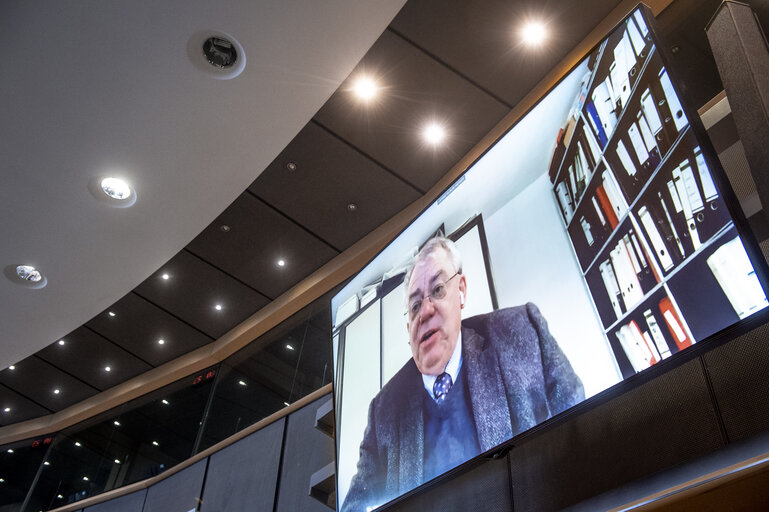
220,52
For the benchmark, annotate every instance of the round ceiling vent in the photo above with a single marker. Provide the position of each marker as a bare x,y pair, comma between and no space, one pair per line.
216,54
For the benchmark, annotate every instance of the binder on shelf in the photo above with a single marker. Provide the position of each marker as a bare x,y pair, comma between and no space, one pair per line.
638,17
737,278
595,121
613,194
672,226
558,152
595,151
674,324
638,351
564,199
586,229
625,159
621,69
604,105
632,254
656,240
708,187
637,40
656,334
568,130
684,196
639,146
648,137
649,109
639,251
629,285
611,285
676,110
606,206
598,211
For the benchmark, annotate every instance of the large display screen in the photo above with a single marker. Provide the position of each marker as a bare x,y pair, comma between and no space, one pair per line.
589,243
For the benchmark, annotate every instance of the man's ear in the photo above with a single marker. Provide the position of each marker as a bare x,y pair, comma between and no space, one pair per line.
462,290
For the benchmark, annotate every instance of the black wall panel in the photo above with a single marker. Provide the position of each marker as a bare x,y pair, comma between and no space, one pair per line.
664,422
307,450
133,502
485,487
178,493
738,373
243,476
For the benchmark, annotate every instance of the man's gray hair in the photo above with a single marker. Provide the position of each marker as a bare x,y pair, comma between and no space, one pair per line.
432,245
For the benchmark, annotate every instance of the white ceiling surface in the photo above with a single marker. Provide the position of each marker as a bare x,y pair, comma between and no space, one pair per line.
91,88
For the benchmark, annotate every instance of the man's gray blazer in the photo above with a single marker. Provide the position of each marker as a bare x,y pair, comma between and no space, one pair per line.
517,376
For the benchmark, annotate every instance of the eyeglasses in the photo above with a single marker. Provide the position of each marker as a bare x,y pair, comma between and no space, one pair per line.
438,292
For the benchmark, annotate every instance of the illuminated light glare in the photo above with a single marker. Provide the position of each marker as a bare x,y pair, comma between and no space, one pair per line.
218,307
166,277
116,188
85,478
60,496
533,33
241,383
161,341
61,342
10,450
77,444
365,88
116,423
56,391
165,402
107,369
117,461
434,133
155,443
29,273
2,480
7,409
46,463
281,263
290,347
12,367
286,404
111,313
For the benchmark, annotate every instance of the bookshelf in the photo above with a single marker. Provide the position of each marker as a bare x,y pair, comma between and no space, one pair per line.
654,239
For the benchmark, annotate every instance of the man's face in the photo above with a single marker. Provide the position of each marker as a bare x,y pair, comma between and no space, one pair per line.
434,331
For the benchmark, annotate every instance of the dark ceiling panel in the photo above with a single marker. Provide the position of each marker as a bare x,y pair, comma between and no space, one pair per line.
329,175
21,408
138,325
193,290
258,237
416,89
85,355
480,38
38,380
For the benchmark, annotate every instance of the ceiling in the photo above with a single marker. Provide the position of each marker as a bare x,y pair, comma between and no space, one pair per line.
233,175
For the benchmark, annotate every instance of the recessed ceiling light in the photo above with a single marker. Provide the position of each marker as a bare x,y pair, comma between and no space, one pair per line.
56,391
242,383
77,444
85,478
112,314
291,166
116,423
161,341
12,367
434,133
218,307
60,496
533,33
281,263
107,369
155,443
286,404
165,277
225,228
115,188
290,347
10,450
29,273
117,461
61,342
351,207
165,402
46,463
7,409
365,88
2,480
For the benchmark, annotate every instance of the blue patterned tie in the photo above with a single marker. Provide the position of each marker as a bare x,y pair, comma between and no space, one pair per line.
441,387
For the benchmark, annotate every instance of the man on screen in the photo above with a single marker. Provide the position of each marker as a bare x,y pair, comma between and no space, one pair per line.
470,385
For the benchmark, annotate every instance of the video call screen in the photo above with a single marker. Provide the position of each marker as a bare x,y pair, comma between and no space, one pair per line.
594,242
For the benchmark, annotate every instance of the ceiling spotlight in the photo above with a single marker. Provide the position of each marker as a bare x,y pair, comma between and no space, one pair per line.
107,369
281,263
161,341
61,342
28,273
155,443
291,166
56,391
365,88
290,347
533,33
242,383
2,480
165,402
165,277
46,463
351,207
12,367
112,314
218,307
78,444
60,496
434,133
225,228
10,450
85,478
286,404
7,409
116,188
116,423
220,52
117,461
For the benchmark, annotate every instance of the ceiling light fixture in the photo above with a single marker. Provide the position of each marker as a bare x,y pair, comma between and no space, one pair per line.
78,444
365,88
281,263
434,133
291,166
107,369
112,191
12,367
10,450
56,391
242,383
61,342
117,461
225,228
155,443
28,273
112,314
165,277
60,496
164,401
7,409
351,207
218,307
116,423
286,404
161,341
85,478
115,188
220,52
290,347
533,33
46,463
25,275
